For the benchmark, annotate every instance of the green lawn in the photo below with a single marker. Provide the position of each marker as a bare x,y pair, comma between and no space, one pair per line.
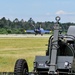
12,49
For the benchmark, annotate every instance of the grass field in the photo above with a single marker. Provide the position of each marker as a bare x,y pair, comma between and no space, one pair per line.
12,49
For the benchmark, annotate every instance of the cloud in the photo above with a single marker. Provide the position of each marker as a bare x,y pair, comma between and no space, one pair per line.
61,12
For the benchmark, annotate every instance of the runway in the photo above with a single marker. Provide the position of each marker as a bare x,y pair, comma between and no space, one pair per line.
22,35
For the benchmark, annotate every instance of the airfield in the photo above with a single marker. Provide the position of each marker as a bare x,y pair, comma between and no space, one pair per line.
15,46
23,35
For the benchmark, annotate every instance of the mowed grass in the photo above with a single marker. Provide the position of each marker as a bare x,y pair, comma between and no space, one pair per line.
12,49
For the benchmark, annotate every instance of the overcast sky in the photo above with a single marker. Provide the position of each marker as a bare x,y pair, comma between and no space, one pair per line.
39,10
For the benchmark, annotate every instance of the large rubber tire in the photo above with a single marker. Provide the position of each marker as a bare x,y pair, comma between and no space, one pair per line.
21,67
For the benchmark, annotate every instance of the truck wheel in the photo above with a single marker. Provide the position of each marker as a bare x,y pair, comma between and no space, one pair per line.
21,67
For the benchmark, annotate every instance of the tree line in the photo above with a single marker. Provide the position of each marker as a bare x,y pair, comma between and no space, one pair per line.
19,27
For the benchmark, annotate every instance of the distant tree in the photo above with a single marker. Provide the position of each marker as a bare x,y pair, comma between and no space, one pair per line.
3,31
19,27
16,20
9,31
3,22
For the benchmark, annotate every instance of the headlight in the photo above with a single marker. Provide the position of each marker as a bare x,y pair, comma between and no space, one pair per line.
66,64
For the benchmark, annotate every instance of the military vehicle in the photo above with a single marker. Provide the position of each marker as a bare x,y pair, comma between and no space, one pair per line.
59,59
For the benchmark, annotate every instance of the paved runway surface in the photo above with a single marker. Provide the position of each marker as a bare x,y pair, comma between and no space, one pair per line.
23,35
